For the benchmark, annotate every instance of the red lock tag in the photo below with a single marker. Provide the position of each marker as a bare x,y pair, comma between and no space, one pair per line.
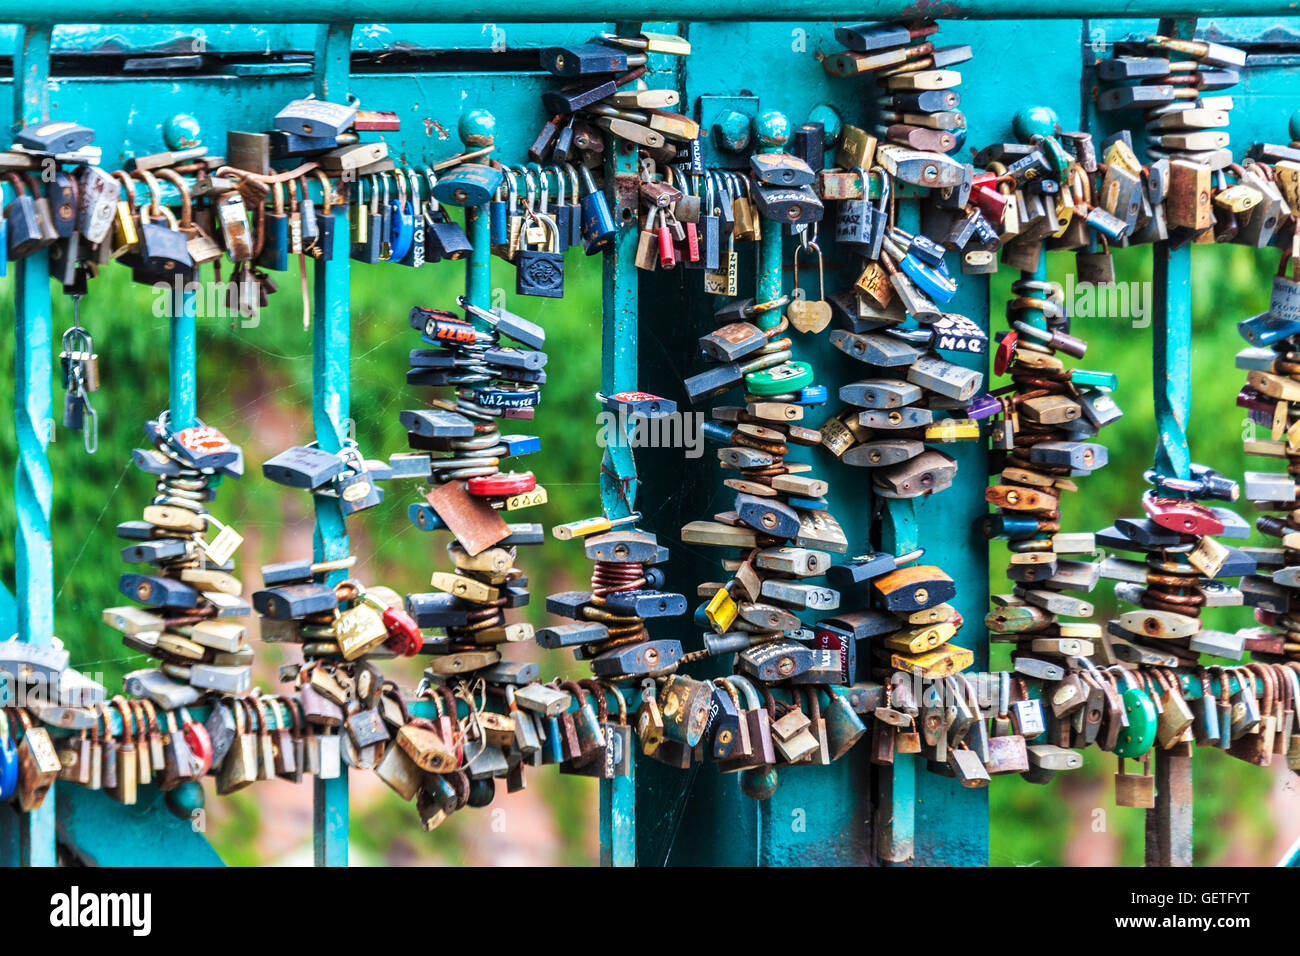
202,439
1005,353
512,483
1185,517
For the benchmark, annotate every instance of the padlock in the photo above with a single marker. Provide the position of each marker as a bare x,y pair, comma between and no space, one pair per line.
25,232
806,315
540,272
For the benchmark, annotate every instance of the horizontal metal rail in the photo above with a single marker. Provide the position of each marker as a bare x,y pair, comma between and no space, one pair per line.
540,11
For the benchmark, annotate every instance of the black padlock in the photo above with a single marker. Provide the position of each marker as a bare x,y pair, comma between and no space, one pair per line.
810,145
63,203
541,271
275,234
64,256
325,219
444,238
368,250
788,205
164,251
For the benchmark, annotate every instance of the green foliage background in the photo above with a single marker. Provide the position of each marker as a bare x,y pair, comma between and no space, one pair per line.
255,384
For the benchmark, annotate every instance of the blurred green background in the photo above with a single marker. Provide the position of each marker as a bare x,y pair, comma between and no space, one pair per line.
255,384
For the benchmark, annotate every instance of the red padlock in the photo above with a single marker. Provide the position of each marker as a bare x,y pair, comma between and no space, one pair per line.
1005,353
991,203
692,242
498,485
404,636
1178,514
667,250
200,744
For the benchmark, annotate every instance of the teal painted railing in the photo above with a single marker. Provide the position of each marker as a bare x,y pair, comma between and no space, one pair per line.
657,816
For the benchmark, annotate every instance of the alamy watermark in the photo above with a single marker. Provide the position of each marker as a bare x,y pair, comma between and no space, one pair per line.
1115,300
683,430
237,298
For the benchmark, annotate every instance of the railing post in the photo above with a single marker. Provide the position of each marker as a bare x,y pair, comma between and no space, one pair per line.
1169,824
331,382
618,482
895,823
182,400
33,408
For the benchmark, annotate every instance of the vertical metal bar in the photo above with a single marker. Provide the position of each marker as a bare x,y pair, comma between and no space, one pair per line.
182,387
618,484
619,339
477,130
478,265
896,785
1172,369
1169,824
618,819
773,132
33,408
331,384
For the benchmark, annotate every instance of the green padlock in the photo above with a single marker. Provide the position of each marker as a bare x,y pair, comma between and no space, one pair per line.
779,379
1137,738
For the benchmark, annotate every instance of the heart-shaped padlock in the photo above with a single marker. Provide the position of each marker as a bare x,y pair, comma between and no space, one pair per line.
804,314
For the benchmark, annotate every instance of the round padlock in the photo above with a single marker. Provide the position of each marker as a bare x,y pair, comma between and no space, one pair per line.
404,635
495,486
200,744
1137,738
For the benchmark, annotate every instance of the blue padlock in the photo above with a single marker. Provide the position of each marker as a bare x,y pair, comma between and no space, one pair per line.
811,395
1265,329
597,221
929,280
424,517
401,222
415,254
499,217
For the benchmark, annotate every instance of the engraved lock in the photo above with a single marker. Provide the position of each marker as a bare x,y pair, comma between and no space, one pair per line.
540,272
855,219
419,210
294,243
